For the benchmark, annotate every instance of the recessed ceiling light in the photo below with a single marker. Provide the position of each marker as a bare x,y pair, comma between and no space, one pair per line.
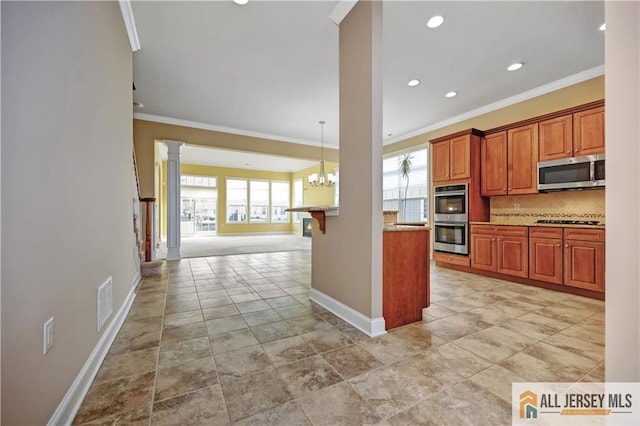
515,67
241,2
413,83
451,94
603,27
435,21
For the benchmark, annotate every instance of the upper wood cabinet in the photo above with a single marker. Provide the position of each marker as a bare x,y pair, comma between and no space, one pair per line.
522,163
556,138
509,162
572,135
588,132
452,159
493,164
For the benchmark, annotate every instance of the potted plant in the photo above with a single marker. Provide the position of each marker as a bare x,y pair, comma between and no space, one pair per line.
405,168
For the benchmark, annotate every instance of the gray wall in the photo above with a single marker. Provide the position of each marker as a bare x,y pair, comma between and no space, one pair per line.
66,191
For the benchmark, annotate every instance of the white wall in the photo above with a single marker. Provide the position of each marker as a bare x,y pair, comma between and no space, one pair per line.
622,91
66,191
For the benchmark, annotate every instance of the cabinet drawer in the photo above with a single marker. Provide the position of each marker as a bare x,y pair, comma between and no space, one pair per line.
505,230
452,259
584,234
545,232
484,229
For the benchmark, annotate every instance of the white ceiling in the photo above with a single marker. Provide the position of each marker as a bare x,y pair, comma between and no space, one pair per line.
271,68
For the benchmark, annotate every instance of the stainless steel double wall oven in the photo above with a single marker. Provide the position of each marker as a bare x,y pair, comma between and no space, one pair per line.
451,227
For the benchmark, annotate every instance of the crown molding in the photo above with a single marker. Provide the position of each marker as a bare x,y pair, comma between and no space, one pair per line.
524,96
230,130
130,24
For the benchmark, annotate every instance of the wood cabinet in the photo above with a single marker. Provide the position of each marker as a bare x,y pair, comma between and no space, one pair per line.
452,159
522,160
502,249
572,135
405,276
509,162
584,258
493,164
545,254
556,138
588,132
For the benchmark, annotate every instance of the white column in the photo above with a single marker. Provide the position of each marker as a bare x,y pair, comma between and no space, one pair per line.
173,199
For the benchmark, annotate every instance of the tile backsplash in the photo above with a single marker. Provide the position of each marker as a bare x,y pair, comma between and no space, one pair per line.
568,205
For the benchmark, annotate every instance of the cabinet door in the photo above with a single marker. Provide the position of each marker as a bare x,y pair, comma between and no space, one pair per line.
483,252
522,160
588,132
545,259
493,164
440,153
584,264
556,138
460,158
513,256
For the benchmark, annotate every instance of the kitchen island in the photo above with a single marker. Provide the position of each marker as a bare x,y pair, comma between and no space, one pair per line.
405,273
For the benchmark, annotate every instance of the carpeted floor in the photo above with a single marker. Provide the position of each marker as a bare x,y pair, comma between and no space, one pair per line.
237,244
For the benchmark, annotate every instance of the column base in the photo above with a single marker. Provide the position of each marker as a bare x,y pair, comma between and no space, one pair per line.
173,253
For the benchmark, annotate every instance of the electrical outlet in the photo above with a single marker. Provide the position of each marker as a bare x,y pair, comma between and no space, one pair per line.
104,302
47,336
516,206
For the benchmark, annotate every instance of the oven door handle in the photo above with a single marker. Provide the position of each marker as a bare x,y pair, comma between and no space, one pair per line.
452,223
450,194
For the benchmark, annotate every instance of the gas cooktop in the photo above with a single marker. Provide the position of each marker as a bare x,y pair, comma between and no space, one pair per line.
568,222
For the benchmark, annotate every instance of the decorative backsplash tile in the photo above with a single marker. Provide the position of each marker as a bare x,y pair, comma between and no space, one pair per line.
569,205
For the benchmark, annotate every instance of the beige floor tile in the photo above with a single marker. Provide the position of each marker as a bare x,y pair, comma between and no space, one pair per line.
547,363
294,311
449,331
467,320
332,319
495,343
249,395
272,331
178,307
186,377
387,348
223,311
535,326
288,350
308,375
212,303
353,333
252,306
231,340
201,407
417,337
351,361
308,323
246,297
181,333
286,414
498,381
461,404
116,396
187,350
326,340
436,311
242,362
337,405
455,305
221,325
460,360
261,317
127,364
282,301
595,375
183,318
578,346
137,417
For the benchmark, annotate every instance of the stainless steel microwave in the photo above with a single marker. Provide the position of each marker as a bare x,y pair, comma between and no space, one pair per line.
571,173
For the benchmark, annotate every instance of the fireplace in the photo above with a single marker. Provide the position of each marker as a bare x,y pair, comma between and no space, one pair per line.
306,226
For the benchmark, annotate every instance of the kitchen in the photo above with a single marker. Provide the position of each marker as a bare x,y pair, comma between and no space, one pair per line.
525,201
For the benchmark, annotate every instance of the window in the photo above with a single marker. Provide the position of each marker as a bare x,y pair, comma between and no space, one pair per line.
280,195
206,181
259,196
236,200
298,190
394,188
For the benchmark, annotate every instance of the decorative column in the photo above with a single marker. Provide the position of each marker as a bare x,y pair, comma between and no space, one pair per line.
173,199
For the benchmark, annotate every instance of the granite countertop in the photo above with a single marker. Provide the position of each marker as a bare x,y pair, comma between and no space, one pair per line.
312,209
550,225
397,227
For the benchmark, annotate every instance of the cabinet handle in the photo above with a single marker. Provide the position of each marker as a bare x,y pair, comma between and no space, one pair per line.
510,189
568,152
558,245
566,245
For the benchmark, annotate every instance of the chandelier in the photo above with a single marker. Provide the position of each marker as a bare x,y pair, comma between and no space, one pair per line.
323,180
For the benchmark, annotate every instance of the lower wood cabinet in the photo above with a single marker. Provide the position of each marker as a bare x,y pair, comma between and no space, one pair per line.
405,276
584,258
502,249
545,254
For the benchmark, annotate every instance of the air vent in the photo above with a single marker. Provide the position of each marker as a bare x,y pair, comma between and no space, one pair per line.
105,302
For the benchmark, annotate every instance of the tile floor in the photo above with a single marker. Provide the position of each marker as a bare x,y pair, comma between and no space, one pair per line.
234,339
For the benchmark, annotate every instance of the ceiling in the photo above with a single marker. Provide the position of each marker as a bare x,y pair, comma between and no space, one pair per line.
270,68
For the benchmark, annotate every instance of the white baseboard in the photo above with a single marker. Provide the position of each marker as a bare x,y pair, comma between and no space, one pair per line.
70,404
372,327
